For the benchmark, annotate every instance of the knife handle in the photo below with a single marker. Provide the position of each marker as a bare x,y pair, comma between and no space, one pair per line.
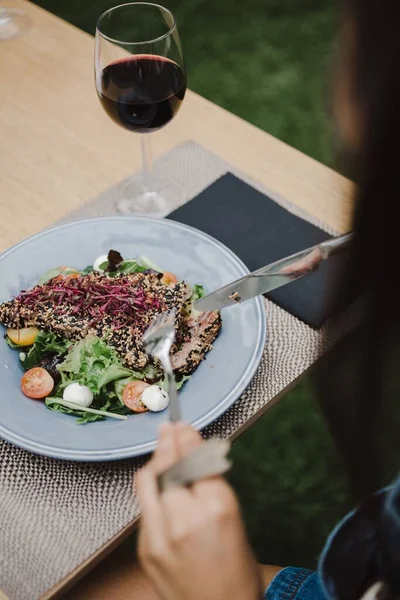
208,460
334,245
309,260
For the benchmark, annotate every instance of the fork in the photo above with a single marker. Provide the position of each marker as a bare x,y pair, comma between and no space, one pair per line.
208,459
157,341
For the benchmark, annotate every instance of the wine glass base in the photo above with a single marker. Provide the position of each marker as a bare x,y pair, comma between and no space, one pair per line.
13,22
151,197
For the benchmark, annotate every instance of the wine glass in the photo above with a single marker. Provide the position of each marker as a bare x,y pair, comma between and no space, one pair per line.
141,83
12,22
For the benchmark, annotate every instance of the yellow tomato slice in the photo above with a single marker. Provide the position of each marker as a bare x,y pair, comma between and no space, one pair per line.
23,337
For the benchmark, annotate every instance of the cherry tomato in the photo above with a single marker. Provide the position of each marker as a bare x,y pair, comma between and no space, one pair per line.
169,278
37,383
23,337
131,395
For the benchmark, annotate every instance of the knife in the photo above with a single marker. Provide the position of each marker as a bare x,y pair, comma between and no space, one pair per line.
273,276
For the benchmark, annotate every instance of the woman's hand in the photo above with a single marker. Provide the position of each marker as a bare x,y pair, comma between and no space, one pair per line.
192,542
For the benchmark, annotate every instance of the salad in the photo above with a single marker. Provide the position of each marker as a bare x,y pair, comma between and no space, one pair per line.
78,337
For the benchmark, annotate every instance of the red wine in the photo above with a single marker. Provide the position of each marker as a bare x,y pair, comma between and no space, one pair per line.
142,93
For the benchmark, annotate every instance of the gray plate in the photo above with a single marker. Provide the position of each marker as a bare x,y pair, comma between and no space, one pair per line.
217,383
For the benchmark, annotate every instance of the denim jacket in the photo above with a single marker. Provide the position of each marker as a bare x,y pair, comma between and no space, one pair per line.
363,549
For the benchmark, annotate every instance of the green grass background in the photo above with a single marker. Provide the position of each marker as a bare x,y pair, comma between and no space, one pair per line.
269,62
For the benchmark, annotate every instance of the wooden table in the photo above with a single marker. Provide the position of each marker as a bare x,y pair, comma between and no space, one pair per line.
58,148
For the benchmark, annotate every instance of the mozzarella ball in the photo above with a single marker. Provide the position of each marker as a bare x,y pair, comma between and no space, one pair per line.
78,394
155,398
99,261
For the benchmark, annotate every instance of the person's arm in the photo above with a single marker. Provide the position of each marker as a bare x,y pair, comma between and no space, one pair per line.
294,583
268,572
192,542
192,545
119,577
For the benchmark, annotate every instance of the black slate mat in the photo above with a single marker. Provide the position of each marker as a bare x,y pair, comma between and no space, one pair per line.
260,231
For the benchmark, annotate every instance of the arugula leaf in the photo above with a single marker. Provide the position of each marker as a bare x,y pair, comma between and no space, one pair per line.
93,363
88,413
51,403
45,343
85,416
198,292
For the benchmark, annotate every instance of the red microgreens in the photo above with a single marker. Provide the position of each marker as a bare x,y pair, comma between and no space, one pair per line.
122,298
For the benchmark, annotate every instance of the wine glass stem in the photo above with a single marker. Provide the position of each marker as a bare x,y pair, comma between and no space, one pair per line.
147,159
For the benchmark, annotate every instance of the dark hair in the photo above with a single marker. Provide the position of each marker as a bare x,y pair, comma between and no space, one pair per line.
351,380
355,377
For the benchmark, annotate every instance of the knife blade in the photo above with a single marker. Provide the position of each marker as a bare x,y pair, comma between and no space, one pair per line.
273,276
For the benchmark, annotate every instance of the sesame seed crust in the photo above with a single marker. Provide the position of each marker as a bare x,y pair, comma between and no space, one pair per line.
67,309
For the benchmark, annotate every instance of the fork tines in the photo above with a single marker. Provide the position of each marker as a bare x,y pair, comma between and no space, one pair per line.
161,325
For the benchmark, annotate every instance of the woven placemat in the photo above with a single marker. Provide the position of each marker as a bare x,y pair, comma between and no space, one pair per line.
54,514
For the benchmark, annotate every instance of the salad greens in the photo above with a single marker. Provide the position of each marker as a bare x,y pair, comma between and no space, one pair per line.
198,292
88,415
93,363
45,344
11,344
87,270
124,266
90,361
130,266
112,267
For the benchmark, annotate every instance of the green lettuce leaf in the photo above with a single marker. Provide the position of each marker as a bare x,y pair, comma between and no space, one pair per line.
93,363
45,343
130,266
